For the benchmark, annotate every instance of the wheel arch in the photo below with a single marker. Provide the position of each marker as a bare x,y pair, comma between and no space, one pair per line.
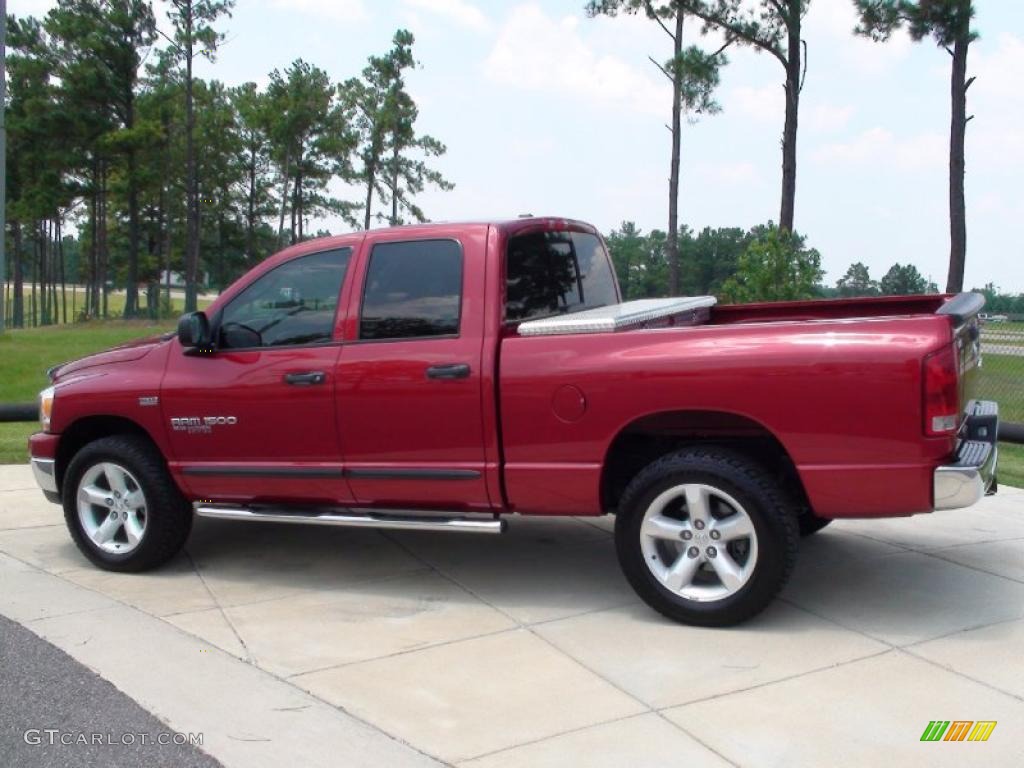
87,429
649,437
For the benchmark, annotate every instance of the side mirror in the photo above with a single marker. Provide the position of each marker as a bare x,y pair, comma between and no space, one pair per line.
194,332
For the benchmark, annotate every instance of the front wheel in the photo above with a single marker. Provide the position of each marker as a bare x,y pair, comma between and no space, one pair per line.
705,536
121,506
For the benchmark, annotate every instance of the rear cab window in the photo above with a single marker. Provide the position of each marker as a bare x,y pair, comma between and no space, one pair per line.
413,290
556,273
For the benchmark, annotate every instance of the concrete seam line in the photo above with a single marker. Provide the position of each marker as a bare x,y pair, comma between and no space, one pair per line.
976,568
37,626
786,679
220,608
958,673
647,707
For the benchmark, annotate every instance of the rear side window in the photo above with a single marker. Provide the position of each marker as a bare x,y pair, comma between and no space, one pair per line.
292,304
552,273
413,290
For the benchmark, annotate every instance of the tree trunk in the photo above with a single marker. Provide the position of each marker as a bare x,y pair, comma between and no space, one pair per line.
294,206
297,204
43,306
33,307
18,299
789,130
250,214
284,196
394,185
371,175
104,253
63,278
191,180
165,221
131,302
958,130
672,246
92,290
51,252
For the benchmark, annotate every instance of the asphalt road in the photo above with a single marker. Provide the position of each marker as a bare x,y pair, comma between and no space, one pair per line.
42,688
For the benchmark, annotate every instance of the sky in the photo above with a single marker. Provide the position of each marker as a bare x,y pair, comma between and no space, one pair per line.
548,112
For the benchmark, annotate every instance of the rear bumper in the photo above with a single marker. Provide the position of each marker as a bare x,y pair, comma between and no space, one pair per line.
973,473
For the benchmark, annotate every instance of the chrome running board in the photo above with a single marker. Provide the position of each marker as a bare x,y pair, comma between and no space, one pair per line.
361,518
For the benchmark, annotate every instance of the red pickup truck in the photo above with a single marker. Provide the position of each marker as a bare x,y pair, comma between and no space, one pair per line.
448,376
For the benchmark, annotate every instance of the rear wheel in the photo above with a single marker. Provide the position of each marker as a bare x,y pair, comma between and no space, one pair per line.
121,506
705,536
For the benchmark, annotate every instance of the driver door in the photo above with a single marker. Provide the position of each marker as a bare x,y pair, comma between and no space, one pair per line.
254,420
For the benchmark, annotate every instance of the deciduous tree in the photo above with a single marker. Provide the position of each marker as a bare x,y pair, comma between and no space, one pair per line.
857,282
902,280
777,266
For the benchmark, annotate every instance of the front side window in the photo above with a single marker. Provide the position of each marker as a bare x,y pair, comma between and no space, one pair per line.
552,273
413,290
292,304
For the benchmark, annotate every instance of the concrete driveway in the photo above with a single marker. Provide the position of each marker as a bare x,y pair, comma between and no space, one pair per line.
530,649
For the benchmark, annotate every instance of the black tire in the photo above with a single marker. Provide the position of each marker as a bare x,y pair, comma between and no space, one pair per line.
810,523
769,510
168,513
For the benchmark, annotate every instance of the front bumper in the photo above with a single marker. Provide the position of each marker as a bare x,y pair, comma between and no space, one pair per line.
973,474
42,447
46,475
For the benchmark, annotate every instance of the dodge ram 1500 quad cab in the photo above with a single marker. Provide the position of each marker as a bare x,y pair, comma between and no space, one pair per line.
448,376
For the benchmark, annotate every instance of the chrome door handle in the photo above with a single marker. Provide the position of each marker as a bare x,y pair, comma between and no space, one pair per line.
448,371
305,379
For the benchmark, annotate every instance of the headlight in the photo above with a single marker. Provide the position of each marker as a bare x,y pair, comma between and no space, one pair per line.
46,407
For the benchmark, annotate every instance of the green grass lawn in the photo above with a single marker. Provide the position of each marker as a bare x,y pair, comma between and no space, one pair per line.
75,302
1002,379
14,442
1011,465
25,354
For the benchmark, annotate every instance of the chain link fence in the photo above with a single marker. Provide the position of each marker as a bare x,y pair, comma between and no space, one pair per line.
1002,370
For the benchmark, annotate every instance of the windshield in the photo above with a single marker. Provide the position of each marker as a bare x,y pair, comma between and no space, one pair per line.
553,273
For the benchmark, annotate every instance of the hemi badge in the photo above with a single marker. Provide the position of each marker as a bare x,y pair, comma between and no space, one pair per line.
151,400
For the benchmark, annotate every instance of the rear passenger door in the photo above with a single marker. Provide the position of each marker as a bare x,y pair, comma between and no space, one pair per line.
409,380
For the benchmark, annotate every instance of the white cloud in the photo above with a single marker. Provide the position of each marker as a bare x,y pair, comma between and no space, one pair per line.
529,148
536,52
879,148
831,23
458,11
335,10
828,118
764,104
37,8
995,137
999,72
738,174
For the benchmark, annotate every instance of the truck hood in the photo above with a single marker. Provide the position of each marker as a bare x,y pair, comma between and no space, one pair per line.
123,353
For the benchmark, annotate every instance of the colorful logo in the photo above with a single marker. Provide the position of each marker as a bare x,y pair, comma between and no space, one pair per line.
958,730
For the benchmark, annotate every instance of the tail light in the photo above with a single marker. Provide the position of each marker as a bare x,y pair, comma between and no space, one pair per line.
941,393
